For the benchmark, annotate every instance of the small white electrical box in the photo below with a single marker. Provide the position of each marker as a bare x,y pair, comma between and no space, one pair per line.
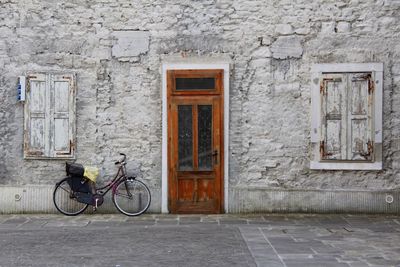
21,88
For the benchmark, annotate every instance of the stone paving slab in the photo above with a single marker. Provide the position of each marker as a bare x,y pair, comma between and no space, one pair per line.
122,246
200,240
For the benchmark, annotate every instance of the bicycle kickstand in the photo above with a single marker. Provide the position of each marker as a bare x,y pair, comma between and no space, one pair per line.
95,206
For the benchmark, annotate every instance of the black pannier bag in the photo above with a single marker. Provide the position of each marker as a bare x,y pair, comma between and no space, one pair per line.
86,198
78,184
74,169
75,178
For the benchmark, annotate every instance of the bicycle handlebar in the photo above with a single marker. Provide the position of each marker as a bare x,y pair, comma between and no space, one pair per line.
121,161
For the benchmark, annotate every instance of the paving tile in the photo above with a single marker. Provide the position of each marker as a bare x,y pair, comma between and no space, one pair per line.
327,249
142,221
166,222
101,224
267,262
232,221
136,223
210,222
33,224
295,256
357,264
16,221
5,217
381,261
313,263
189,220
66,224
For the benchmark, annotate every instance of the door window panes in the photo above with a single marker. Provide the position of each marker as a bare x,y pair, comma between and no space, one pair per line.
194,84
205,137
185,138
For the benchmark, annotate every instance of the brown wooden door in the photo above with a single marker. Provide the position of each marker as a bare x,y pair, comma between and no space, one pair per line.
195,144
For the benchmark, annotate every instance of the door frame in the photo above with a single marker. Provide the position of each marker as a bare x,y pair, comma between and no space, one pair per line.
184,65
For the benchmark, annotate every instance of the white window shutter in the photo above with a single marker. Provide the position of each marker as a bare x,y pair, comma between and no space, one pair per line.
36,116
333,117
360,107
62,88
49,116
357,145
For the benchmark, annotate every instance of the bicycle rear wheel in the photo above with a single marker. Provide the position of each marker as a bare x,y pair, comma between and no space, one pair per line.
65,201
131,197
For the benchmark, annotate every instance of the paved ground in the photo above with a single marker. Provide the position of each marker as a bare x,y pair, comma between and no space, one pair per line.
221,240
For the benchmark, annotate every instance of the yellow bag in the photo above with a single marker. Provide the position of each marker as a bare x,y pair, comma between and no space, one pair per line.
91,173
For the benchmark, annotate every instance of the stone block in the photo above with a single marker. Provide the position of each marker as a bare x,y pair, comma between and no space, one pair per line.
262,52
343,26
271,163
264,40
394,3
130,43
347,13
302,31
259,63
328,27
284,29
287,47
101,53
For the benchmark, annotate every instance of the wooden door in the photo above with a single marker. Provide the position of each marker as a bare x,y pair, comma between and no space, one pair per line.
195,135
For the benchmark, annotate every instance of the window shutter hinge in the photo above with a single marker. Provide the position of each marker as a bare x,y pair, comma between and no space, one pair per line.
322,87
371,86
71,148
370,148
322,150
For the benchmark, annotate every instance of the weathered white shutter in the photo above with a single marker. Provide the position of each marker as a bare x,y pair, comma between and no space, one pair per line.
346,120
333,116
50,116
36,117
360,95
62,115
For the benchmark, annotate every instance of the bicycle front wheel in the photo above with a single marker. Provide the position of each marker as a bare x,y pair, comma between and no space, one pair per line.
131,197
65,201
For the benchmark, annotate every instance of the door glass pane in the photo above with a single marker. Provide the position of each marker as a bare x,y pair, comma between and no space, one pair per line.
194,84
205,137
185,138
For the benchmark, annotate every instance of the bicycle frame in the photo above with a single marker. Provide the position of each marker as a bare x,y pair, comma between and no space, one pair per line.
121,174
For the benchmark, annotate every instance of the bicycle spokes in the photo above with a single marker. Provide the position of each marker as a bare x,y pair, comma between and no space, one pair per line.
132,197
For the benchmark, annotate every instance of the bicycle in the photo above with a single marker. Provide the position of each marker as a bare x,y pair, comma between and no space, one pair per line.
129,195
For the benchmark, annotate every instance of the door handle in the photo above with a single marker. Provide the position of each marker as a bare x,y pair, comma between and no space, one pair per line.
215,155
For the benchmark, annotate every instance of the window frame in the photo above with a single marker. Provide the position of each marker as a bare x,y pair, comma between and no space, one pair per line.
217,74
317,72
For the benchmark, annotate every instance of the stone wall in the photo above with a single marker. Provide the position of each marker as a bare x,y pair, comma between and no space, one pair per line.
117,49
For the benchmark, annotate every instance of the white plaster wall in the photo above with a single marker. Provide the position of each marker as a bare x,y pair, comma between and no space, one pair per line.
271,46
